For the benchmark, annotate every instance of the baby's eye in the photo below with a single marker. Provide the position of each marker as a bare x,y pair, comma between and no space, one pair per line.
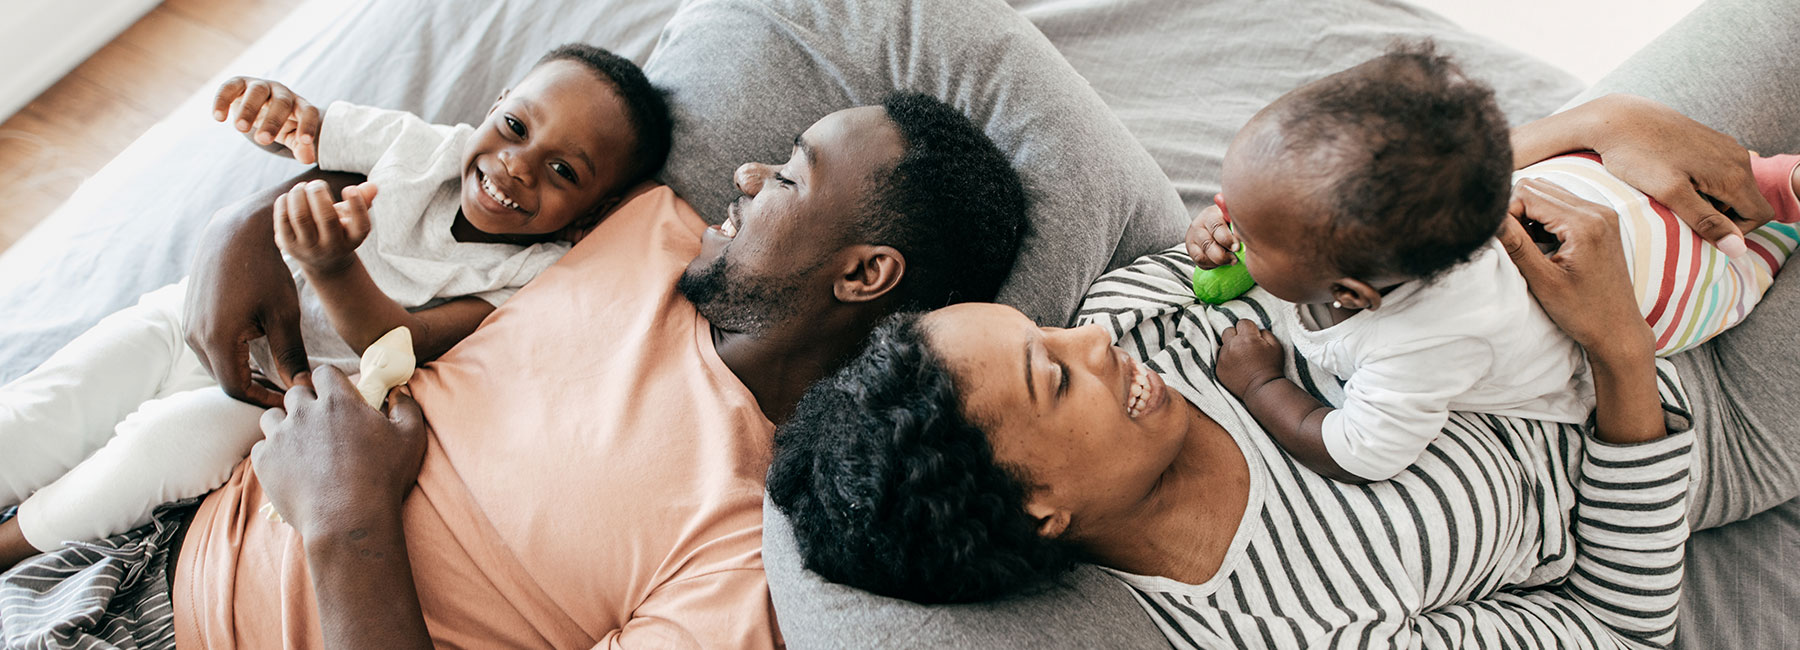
563,170
514,125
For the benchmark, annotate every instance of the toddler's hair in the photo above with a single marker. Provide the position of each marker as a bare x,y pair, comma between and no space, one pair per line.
645,106
1419,162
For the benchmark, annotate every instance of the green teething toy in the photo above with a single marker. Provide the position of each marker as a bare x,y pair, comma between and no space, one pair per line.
1220,285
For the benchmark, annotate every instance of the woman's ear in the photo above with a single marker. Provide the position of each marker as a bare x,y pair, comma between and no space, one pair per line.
870,272
1351,293
1052,521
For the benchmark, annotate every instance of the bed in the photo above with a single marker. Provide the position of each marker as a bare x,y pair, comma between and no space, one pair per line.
1155,86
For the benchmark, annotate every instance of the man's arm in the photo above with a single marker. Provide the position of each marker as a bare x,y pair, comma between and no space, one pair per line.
338,472
239,290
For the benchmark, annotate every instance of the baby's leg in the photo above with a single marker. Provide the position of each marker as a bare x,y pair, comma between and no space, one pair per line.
56,415
176,447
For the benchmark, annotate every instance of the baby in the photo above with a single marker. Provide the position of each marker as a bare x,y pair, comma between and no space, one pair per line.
465,216
1370,199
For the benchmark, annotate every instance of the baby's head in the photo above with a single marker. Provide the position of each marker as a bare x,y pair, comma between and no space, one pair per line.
562,146
1397,169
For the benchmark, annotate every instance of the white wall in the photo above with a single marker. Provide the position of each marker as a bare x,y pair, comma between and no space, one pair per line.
42,40
1585,37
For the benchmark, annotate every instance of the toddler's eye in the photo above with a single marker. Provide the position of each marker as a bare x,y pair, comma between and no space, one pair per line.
564,171
514,125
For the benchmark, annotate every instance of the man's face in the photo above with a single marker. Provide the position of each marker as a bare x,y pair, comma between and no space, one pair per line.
776,249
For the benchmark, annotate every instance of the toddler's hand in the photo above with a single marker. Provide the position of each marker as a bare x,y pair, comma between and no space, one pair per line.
1210,240
270,114
319,234
1249,356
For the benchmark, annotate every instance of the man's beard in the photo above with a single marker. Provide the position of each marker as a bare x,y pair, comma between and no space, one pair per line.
734,302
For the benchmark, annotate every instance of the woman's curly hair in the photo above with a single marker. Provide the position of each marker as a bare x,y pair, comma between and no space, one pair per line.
892,489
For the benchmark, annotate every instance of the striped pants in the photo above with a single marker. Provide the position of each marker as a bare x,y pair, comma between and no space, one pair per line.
113,593
1687,290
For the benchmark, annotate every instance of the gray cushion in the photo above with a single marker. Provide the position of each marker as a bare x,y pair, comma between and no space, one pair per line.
747,75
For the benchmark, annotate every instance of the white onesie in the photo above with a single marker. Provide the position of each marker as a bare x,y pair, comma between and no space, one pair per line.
1472,340
125,417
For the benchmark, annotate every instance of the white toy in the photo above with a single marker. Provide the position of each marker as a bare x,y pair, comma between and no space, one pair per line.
387,363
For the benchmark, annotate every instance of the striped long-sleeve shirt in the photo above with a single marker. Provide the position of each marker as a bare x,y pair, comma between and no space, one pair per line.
1506,533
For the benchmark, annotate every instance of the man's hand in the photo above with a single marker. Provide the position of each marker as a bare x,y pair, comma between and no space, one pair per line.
322,236
1249,356
270,115
239,290
1210,240
329,462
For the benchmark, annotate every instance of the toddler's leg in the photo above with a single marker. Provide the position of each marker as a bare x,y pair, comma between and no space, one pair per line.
59,413
175,447
1775,176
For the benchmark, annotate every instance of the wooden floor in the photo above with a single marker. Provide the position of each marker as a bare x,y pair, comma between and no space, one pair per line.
72,130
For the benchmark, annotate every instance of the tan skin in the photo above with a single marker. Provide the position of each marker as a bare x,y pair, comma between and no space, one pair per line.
338,472
1164,493
1271,211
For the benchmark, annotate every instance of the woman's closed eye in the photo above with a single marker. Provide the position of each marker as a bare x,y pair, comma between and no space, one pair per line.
1062,380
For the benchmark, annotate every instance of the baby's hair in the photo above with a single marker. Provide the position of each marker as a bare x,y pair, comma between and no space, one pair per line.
1419,157
645,106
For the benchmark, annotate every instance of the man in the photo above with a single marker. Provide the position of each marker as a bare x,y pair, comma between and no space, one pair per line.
516,519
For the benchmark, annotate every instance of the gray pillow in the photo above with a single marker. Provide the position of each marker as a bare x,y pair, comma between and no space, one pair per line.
747,75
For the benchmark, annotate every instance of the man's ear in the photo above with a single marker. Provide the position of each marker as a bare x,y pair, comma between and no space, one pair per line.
869,272
1351,293
1052,521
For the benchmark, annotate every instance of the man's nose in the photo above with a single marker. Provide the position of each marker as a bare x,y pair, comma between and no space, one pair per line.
749,178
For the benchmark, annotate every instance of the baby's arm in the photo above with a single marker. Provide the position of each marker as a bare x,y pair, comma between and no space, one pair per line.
323,237
1249,366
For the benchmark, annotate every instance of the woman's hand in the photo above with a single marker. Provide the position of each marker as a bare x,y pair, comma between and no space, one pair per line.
1583,285
1662,153
1585,288
1249,357
330,464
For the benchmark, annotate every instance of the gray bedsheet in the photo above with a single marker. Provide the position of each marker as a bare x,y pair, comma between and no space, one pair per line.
132,227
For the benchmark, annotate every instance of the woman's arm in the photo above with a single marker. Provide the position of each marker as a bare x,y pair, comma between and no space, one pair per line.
1586,290
1664,154
338,471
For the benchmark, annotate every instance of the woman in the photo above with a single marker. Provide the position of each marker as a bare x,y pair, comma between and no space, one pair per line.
969,454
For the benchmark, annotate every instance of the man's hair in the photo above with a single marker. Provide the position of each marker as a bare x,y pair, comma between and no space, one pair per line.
890,489
1420,157
952,205
645,106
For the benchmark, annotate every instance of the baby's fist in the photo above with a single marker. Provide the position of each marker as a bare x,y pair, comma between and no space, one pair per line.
1249,356
1210,240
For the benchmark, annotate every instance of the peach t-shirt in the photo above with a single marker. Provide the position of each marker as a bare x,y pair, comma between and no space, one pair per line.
593,477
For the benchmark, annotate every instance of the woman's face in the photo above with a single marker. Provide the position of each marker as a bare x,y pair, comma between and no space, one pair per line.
1092,429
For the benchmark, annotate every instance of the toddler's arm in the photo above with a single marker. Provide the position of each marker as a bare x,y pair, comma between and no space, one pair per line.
323,237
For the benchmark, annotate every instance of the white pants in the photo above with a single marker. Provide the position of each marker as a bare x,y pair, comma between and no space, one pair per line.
121,420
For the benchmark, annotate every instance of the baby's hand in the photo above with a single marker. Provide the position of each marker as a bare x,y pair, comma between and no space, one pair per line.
319,234
1249,357
1210,239
270,114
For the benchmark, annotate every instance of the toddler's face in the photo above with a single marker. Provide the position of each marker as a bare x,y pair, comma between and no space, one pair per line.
550,151
1267,205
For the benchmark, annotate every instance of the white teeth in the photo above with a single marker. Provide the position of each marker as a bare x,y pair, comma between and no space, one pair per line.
487,185
1140,390
728,228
